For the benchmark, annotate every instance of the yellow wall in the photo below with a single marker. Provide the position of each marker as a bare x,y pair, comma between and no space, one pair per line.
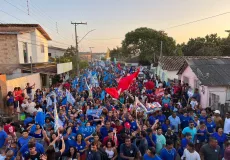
21,82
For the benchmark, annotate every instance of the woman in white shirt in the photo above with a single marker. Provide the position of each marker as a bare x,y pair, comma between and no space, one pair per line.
190,153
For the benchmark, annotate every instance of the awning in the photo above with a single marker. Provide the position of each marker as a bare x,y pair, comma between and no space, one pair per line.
50,69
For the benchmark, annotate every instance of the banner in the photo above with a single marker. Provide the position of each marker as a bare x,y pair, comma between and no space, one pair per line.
70,98
86,131
94,112
57,122
159,92
40,118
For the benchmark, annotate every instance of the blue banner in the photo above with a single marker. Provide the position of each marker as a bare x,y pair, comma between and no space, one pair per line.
94,112
86,131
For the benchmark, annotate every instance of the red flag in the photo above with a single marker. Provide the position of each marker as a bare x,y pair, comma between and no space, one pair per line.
112,92
135,74
125,82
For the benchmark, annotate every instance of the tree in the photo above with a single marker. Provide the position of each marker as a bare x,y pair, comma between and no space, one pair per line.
116,53
210,45
145,42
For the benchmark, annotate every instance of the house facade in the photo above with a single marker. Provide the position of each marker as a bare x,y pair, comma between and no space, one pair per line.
168,66
56,52
23,43
211,76
24,54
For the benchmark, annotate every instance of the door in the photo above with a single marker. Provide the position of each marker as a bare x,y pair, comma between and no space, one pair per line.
25,52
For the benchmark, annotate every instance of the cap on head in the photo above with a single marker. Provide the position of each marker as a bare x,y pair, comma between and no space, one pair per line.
127,125
217,111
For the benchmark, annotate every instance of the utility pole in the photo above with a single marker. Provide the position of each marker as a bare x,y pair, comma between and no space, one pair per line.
91,54
76,50
161,49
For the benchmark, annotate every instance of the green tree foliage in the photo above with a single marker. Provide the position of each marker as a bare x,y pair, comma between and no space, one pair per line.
69,56
145,42
210,45
116,53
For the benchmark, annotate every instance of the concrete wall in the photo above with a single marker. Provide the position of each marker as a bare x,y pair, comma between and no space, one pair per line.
172,75
28,38
34,40
55,52
21,82
9,49
64,67
165,75
41,57
190,75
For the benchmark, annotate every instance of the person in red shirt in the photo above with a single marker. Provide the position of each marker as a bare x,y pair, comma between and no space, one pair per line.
118,126
21,98
110,137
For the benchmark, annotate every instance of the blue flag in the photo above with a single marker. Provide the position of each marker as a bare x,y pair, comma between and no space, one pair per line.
64,101
86,131
40,118
94,112
102,95
70,98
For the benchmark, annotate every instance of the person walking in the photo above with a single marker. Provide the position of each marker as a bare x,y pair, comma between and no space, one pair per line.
190,153
210,151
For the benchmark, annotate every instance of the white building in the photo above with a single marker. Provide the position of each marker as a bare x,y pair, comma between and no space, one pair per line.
55,52
24,51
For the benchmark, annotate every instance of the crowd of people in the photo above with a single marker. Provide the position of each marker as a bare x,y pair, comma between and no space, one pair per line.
83,122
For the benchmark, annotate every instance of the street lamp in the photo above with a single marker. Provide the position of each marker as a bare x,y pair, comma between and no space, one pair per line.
91,54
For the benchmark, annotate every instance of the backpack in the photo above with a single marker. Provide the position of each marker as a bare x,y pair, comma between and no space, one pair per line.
103,154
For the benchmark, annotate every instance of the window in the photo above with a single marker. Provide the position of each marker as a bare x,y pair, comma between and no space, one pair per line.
42,48
49,54
213,100
25,52
185,79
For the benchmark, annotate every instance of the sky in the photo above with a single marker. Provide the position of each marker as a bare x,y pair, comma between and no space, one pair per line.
112,19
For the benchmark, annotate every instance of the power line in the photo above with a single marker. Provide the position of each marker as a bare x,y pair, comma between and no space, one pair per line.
26,22
197,20
40,41
32,17
42,14
12,16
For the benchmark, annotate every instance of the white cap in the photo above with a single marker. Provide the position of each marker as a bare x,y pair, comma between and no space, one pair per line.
217,111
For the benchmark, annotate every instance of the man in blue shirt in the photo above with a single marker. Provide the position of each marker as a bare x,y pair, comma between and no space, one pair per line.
211,126
151,154
161,117
203,116
25,148
3,137
104,130
69,138
168,152
24,139
151,138
185,120
191,129
175,121
184,142
151,120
